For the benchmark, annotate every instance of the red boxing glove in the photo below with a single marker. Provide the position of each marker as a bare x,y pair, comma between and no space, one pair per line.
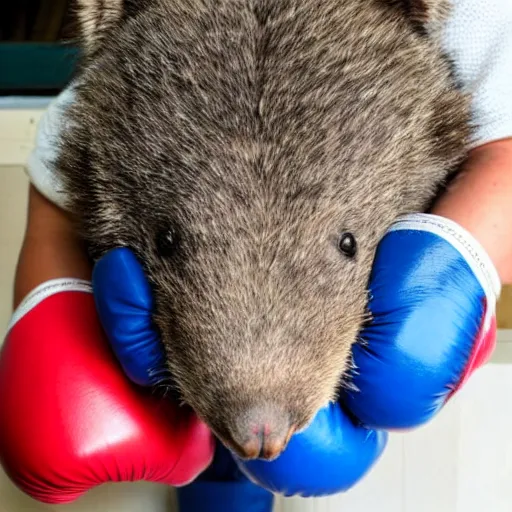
70,419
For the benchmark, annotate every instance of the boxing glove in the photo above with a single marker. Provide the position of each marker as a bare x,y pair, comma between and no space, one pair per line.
224,488
433,295
125,303
330,456
69,417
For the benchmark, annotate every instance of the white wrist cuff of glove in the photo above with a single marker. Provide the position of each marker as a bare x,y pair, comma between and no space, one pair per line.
469,248
45,290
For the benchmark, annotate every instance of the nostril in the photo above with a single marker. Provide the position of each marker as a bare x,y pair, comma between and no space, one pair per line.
262,432
253,447
271,447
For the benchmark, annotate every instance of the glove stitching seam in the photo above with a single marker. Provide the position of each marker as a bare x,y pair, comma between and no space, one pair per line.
493,285
44,291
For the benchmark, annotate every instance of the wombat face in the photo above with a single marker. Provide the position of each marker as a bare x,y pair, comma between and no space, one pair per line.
252,154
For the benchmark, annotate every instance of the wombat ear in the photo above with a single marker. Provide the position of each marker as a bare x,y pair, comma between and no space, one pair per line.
426,15
428,11
96,18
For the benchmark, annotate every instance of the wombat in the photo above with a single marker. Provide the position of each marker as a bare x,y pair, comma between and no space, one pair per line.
252,153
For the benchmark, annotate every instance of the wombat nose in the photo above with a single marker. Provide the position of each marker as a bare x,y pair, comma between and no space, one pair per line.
262,433
264,444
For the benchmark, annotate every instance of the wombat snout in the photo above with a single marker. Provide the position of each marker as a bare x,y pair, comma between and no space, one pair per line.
261,432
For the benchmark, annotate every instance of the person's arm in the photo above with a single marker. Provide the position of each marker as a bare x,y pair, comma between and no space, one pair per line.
50,249
480,200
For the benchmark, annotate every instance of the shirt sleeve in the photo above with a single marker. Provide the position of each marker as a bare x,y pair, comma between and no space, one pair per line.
478,38
40,166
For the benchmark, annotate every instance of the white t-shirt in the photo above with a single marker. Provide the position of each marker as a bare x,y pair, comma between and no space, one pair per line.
478,37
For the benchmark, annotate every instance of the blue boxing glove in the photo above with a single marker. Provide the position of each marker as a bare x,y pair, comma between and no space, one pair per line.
124,303
330,456
224,488
433,295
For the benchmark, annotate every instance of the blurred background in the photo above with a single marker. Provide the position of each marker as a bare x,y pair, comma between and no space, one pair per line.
37,45
459,463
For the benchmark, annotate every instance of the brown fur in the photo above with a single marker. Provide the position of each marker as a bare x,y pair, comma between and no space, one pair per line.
230,143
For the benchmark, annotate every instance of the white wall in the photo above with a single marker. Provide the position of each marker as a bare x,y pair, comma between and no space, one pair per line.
458,463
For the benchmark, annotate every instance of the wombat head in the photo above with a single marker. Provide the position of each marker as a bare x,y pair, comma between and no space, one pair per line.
252,154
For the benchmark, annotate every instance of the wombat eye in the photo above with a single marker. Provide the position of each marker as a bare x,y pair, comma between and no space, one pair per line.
167,242
347,245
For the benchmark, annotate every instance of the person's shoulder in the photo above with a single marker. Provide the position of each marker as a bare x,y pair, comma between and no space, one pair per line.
479,9
476,27
40,166
478,38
